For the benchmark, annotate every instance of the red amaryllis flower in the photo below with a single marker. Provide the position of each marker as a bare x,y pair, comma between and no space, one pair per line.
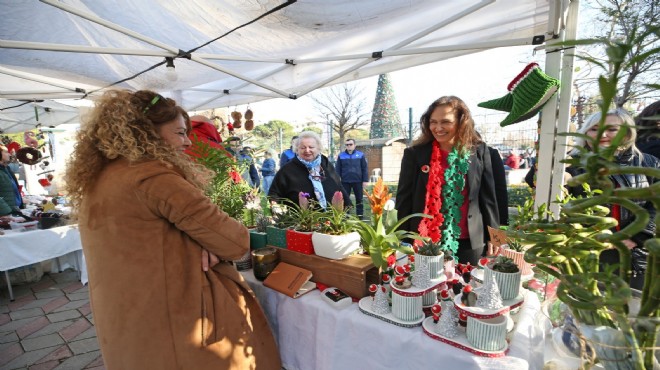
338,201
391,260
235,177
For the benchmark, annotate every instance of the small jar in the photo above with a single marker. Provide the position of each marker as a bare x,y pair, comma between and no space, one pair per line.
264,261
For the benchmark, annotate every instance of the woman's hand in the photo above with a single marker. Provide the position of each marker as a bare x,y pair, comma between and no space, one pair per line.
629,243
208,260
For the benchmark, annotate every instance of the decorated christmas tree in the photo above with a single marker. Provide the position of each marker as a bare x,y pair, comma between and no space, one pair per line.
385,119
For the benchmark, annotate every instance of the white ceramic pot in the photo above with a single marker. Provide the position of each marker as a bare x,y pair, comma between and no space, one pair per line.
436,264
335,247
487,334
407,308
507,282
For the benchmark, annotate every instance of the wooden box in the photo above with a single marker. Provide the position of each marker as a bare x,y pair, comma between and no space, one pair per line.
353,275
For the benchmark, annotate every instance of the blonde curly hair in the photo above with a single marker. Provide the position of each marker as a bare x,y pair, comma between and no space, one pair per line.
123,124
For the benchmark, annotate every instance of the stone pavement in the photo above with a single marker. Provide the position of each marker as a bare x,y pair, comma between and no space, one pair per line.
48,326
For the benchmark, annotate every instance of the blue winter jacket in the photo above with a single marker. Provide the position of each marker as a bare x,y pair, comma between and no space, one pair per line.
268,167
352,167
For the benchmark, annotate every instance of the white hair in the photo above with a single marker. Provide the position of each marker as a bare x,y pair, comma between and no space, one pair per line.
594,119
309,134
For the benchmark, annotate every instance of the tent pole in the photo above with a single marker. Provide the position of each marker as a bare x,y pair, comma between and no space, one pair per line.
555,118
35,78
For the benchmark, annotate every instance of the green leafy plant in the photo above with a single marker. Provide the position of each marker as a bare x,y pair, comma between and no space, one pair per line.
262,223
430,248
504,264
381,237
334,220
305,215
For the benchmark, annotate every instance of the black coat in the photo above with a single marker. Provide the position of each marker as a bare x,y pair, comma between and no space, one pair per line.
483,208
294,178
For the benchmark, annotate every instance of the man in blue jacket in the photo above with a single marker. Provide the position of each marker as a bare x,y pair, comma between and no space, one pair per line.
352,168
288,154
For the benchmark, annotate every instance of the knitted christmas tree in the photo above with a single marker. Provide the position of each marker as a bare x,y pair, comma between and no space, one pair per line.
385,119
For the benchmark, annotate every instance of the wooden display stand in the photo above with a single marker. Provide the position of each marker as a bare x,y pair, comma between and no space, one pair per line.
353,274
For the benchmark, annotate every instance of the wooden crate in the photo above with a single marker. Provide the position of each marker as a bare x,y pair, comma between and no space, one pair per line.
353,275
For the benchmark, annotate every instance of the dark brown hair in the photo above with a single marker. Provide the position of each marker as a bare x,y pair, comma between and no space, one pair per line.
466,136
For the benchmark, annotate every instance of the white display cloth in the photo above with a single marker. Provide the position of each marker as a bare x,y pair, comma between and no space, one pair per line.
19,249
311,334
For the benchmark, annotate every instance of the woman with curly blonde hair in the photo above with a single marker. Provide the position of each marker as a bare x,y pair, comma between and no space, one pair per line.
145,224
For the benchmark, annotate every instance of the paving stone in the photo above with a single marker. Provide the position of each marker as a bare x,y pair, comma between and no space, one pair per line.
84,296
73,287
49,293
95,368
4,308
51,328
10,352
86,309
66,276
21,301
84,346
26,359
15,324
85,288
55,303
34,326
43,341
89,333
73,305
96,364
45,365
89,318
64,315
24,314
8,337
4,318
79,361
75,329
37,303
58,354
44,284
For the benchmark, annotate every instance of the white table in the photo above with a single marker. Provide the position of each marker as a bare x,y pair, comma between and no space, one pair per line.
311,334
19,249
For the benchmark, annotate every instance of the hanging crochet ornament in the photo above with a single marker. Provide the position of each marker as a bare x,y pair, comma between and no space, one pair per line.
249,123
528,92
28,155
236,116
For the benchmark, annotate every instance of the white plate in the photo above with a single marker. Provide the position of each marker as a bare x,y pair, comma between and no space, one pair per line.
414,291
483,313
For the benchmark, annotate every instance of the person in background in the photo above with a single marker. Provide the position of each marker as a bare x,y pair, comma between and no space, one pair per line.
513,160
308,172
290,153
648,126
250,174
11,200
352,167
268,170
627,155
162,293
448,174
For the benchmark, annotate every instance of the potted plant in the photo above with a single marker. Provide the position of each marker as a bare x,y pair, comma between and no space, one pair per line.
276,233
514,248
258,235
304,217
381,236
507,275
432,254
335,238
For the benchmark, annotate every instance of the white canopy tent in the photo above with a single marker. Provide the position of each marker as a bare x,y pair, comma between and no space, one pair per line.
229,52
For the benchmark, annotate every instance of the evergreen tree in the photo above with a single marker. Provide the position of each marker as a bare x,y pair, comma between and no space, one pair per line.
385,119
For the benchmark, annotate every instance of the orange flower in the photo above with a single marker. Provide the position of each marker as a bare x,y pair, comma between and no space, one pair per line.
378,197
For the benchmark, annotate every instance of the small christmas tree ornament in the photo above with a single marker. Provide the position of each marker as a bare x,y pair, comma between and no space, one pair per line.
448,324
489,295
381,305
421,277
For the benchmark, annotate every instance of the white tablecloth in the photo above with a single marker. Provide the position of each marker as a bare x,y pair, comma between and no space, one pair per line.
19,249
314,335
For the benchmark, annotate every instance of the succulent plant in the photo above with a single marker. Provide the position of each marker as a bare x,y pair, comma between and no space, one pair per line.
504,264
263,222
430,248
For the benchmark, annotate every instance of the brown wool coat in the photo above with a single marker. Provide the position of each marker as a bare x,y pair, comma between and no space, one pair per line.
143,228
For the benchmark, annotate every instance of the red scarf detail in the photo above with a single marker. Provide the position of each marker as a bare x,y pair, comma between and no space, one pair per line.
430,227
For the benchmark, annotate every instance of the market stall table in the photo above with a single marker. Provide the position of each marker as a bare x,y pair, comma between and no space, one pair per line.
18,249
314,335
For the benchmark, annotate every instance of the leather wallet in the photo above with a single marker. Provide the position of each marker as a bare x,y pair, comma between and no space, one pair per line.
290,280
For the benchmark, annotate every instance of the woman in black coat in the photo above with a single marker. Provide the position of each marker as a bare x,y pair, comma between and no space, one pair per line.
308,172
448,174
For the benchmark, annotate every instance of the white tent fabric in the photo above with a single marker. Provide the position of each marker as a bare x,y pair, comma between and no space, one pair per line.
75,48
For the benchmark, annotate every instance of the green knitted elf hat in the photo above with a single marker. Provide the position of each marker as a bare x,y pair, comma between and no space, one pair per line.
528,92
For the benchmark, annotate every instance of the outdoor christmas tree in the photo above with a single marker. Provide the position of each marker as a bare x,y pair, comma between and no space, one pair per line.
385,119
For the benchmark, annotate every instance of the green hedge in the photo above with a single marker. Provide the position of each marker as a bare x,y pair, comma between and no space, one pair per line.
518,194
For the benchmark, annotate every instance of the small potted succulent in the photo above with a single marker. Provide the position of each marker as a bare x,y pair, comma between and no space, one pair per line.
258,236
507,275
276,233
432,254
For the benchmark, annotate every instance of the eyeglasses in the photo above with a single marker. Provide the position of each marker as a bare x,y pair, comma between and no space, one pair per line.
153,102
349,144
